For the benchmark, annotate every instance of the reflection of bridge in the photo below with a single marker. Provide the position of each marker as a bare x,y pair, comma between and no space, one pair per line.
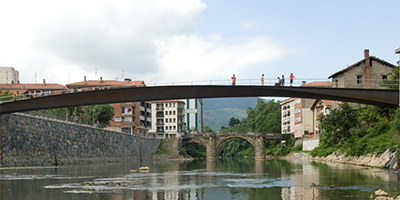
388,98
211,141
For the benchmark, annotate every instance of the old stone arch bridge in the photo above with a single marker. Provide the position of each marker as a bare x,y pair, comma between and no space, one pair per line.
211,141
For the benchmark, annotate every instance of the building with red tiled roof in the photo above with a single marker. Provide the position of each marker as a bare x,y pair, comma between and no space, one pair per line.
296,113
318,108
130,117
33,89
366,73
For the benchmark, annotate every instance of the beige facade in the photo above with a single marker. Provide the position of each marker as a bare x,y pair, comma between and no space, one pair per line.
319,108
287,116
366,73
168,118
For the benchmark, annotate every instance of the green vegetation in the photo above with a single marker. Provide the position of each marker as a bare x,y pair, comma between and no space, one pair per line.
195,150
207,129
359,131
83,114
393,81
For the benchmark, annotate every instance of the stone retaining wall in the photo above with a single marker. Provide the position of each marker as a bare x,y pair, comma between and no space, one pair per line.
27,140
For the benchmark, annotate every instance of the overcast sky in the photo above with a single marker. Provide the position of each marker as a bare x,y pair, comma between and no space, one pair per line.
189,40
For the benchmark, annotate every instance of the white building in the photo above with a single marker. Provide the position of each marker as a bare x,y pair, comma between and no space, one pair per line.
167,118
8,75
287,108
194,114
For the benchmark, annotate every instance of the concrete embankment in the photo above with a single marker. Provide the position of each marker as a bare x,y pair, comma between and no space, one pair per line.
31,141
385,160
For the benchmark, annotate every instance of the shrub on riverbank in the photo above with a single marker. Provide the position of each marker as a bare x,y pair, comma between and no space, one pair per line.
359,131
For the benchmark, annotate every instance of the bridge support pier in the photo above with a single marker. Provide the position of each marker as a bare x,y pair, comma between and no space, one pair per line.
211,148
259,148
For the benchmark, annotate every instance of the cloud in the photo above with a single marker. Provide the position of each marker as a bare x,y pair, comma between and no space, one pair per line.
151,40
190,57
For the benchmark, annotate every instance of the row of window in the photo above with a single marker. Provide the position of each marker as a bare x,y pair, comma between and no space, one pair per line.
170,112
286,114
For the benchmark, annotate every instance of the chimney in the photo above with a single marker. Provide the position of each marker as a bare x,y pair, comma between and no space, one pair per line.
18,83
367,68
84,79
44,82
303,82
366,53
101,79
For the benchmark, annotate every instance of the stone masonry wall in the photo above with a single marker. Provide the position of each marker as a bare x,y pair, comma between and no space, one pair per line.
31,141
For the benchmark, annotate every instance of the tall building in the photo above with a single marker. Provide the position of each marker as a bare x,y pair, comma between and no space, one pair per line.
194,114
168,118
130,117
287,109
8,75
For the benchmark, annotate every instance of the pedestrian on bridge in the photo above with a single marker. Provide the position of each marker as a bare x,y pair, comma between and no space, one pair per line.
279,82
291,79
262,79
233,80
283,80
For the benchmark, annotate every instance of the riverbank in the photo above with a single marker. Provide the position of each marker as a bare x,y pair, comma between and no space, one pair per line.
385,160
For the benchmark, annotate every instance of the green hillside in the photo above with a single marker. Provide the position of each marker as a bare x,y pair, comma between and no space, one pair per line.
218,111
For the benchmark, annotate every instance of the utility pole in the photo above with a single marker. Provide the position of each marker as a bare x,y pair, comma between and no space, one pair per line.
397,51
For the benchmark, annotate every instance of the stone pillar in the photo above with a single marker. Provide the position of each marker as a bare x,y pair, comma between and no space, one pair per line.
211,150
259,148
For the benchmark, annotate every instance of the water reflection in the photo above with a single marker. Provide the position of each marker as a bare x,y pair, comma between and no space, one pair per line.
201,179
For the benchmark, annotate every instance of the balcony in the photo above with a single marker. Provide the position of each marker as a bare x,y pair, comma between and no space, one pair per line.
132,123
161,108
160,115
160,123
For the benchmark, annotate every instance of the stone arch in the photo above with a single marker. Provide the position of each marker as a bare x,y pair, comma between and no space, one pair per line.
223,139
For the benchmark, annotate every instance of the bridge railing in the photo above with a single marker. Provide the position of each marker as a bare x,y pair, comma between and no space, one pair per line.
317,82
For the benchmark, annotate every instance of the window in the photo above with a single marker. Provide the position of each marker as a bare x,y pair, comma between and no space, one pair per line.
170,120
174,128
174,112
166,112
359,79
174,120
123,110
170,112
384,77
117,119
166,120
166,128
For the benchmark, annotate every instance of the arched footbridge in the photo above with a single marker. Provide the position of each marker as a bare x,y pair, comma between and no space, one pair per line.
386,98
211,141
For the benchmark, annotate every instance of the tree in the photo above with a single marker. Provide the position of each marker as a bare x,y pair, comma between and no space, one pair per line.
233,121
337,125
102,113
207,129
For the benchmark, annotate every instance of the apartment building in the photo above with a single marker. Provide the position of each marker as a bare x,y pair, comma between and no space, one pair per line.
297,114
318,109
194,114
8,75
130,117
168,118
288,110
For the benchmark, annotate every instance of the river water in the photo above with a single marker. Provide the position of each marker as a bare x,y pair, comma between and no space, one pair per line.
200,179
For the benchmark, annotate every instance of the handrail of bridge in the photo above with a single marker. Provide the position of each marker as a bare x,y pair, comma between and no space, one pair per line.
343,83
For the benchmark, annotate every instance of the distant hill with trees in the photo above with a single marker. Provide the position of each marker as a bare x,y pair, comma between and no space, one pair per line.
218,111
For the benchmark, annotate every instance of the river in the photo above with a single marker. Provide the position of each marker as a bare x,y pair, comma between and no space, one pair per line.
200,179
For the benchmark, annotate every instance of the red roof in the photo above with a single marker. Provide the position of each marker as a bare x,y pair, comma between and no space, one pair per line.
98,83
31,86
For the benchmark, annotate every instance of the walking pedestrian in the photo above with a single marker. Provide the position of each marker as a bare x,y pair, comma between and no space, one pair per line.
283,81
262,79
233,80
291,79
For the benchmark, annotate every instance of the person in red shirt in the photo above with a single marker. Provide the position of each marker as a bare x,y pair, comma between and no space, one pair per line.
233,80
262,80
291,79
